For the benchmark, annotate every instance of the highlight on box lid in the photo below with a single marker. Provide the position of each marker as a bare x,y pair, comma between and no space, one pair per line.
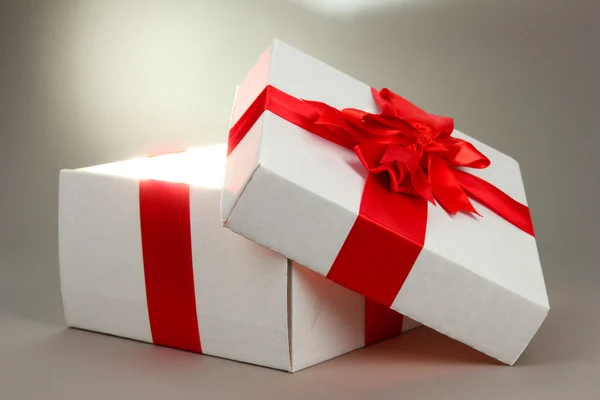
386,199
143,255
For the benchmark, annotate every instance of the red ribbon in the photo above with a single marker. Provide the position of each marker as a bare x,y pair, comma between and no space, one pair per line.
168,265
381,322
412,159
169,276
413,148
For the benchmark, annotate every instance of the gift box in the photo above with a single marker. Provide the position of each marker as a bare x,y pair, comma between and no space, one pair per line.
390,201
143,255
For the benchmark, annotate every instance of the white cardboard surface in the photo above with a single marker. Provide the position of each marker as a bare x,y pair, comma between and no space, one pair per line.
247,298
100,251
241,290
478,280
326,319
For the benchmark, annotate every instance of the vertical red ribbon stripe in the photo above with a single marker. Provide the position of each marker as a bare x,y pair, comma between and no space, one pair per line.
382,246
381,322
168,265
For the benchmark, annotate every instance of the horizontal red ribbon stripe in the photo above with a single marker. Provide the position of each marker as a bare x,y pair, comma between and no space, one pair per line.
168,266
285,106
452,184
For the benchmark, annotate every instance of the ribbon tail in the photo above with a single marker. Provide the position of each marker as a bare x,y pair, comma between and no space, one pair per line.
421,185
446,189
496,200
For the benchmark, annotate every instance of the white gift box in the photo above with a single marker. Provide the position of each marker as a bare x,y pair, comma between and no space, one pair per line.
477,279
143,255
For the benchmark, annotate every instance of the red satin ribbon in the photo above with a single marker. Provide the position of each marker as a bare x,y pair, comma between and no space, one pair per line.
413,148
383,244
411,157
168,267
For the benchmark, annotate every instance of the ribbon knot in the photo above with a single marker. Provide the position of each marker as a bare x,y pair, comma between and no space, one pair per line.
414,148
423,139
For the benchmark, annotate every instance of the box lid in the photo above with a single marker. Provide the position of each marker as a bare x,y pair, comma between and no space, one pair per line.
477,279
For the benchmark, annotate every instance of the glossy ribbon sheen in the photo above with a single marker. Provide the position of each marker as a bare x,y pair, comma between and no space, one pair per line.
412,160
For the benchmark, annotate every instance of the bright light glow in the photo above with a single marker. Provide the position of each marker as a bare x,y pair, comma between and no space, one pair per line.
345,7
204,166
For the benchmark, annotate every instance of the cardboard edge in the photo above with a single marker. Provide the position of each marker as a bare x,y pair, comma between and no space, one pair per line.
268,52
262,168
143,342
520,353
363,348
256,75
508,362
289,313
239,195
62,181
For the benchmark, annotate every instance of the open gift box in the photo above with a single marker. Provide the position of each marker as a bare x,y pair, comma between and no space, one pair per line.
143,255
370,191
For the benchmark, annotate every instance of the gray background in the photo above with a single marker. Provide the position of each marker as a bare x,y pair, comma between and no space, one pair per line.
83,83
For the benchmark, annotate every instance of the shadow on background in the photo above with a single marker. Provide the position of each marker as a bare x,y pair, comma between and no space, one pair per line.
421,347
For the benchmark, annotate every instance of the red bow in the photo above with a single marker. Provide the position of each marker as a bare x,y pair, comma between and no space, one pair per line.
413,147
